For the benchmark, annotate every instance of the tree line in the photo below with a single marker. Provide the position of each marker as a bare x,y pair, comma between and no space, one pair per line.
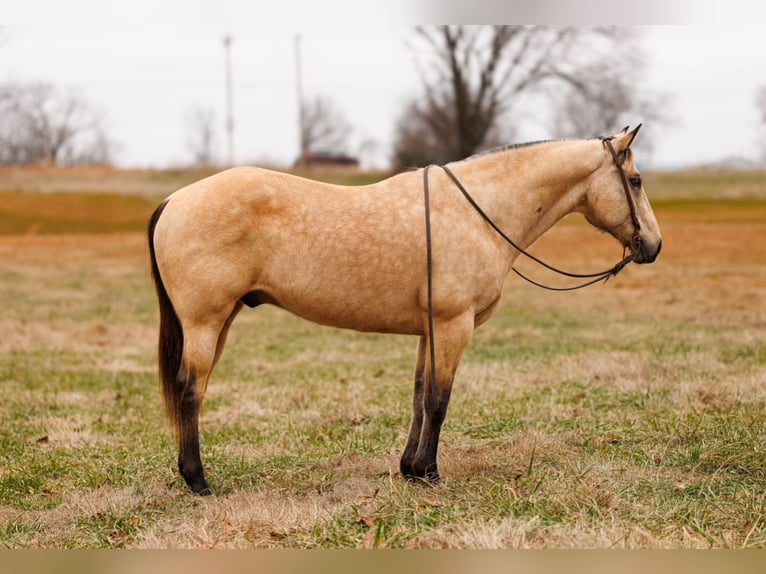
475,80
475,89
40,124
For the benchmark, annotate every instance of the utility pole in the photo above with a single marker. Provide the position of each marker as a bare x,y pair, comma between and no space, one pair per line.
299,87
229,103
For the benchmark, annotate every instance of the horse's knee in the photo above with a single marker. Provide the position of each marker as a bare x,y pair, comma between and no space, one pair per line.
202,349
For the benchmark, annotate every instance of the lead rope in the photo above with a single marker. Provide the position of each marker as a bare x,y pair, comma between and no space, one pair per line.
429,268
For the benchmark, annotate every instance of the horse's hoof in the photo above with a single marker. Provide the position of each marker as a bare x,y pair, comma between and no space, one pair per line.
426,478
411,478
198,485
426,481
433,479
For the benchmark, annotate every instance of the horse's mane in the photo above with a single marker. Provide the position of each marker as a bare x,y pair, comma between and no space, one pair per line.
503,148
508,147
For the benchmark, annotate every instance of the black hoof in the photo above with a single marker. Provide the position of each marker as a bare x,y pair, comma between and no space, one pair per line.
196,481
428,476
199,487
205,491
433,479
198,484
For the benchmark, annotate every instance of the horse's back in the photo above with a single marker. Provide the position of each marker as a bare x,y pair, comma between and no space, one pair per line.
342,256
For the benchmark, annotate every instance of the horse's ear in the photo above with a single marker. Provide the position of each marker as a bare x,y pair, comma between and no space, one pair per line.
623,140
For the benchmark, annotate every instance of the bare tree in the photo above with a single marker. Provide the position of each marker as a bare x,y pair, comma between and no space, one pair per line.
608,94
473,76
595,112
324,126
200,135
94,148
418,142
39,124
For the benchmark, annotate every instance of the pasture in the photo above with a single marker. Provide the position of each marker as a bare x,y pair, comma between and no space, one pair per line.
627,415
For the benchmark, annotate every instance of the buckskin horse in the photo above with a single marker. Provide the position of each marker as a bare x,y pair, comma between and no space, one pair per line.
414,254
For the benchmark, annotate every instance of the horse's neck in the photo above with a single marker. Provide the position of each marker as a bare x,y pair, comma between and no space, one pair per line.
526,191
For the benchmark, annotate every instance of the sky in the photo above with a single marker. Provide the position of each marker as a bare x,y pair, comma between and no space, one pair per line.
147,68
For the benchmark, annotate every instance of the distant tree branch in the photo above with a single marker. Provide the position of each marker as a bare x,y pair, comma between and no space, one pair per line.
324,126
472,76
39,124
201,135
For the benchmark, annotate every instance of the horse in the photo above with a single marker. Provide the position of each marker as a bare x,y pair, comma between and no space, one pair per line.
357,257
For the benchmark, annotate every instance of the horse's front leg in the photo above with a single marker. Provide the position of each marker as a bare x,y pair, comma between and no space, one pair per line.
413,439
450,340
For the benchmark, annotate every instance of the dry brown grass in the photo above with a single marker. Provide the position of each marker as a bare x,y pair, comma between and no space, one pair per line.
302,426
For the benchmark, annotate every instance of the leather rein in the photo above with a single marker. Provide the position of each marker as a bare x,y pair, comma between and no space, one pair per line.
635,246
635,242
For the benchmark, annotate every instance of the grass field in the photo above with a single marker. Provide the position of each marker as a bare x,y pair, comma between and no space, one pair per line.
629,415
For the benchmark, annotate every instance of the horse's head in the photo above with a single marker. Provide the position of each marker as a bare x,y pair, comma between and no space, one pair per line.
616,201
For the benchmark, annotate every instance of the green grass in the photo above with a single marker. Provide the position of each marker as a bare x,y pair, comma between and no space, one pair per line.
563,452
586,420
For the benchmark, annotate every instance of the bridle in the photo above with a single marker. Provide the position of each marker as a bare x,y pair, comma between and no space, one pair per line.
635,245
635,240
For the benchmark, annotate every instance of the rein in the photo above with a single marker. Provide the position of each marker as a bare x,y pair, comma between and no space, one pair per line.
635,245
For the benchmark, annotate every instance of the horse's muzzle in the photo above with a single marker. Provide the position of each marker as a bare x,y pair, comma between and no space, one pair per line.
647,254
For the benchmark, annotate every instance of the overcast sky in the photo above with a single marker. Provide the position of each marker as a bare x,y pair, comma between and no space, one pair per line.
147,70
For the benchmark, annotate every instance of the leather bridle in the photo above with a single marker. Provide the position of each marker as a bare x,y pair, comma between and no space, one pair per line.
635,240
635,244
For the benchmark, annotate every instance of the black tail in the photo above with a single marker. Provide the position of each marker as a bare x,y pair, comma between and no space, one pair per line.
171,340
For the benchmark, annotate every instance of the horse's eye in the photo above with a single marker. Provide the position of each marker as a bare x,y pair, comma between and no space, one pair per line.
635,181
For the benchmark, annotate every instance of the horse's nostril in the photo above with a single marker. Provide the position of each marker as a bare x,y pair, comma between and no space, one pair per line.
651,257
646,255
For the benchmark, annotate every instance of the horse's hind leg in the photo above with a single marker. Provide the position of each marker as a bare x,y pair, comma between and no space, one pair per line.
203,345
225,332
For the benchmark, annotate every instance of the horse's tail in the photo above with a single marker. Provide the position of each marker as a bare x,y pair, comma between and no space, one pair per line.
171,339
